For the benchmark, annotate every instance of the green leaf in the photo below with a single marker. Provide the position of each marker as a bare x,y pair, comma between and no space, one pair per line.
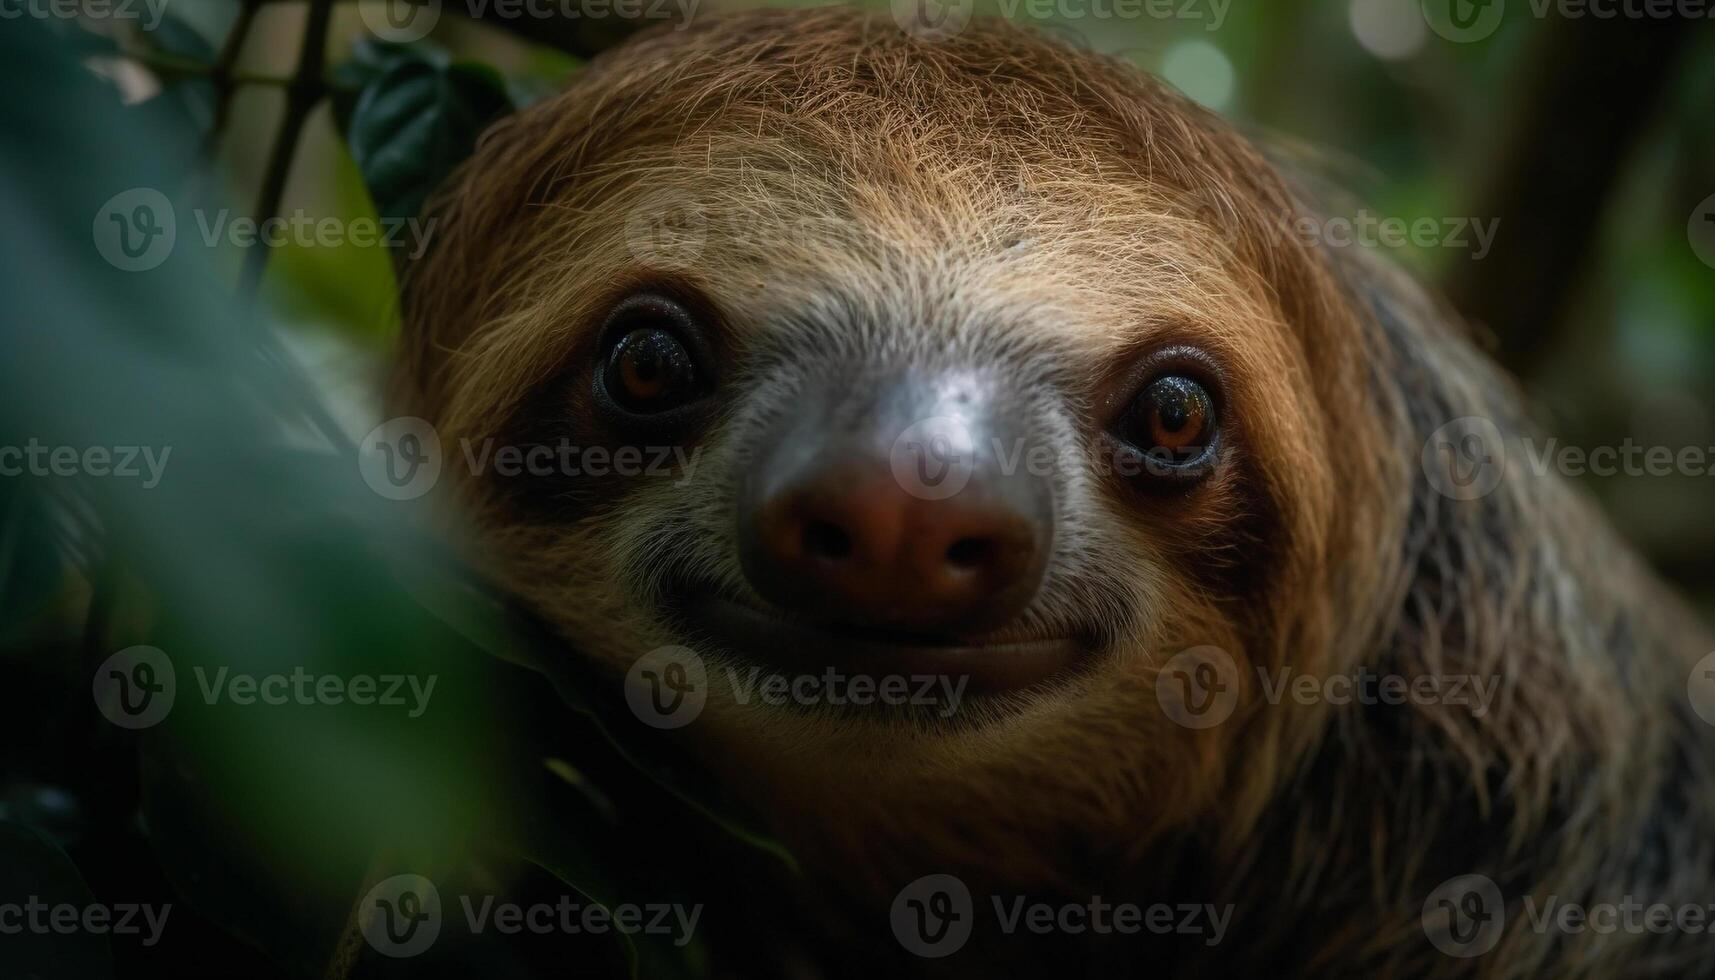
370,59
416,119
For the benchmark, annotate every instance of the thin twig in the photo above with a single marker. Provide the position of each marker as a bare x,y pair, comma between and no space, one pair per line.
305,90
225,80
172,64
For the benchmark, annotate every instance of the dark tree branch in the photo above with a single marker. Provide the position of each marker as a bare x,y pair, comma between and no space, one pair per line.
302,94
225,83
1584,95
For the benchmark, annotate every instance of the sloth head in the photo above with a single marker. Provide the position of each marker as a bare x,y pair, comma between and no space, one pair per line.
845,353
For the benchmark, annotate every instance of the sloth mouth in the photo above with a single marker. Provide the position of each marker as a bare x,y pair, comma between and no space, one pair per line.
990,663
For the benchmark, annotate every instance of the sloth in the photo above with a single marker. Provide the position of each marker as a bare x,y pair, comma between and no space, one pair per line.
984,358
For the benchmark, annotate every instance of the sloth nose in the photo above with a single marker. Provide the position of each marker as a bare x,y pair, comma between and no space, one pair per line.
928,535
865,551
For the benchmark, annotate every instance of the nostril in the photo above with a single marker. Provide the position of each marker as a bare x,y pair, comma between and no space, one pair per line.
971,553
823,539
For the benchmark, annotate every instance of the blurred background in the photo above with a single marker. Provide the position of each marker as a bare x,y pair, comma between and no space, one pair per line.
1553,171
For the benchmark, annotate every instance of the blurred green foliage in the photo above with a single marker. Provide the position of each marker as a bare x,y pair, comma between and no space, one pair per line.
263,553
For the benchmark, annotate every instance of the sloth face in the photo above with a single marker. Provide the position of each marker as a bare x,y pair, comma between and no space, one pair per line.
976,363
922,502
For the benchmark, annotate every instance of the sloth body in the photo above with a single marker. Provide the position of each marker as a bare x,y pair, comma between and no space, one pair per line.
865,230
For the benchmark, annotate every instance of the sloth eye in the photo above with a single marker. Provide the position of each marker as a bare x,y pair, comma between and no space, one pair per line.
1177,412
648,367
1172,424
650,371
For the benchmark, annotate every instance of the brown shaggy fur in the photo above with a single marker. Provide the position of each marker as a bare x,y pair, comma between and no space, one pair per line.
1053,212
